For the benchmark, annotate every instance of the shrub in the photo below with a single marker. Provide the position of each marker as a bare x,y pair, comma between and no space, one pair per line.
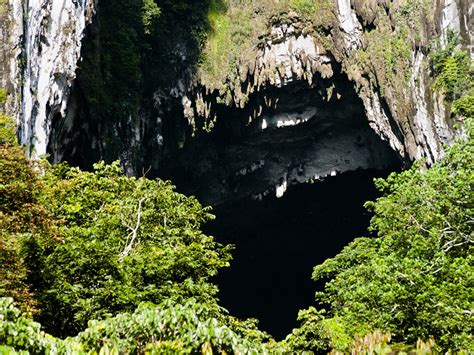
453,70
165,329
22,217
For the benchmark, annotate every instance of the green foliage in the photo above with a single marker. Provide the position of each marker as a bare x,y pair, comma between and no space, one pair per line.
306,7
392,33
21,217
18,332
318,333
113,243
135,47
397,56
415,279
464,106
125,241
80,245
7,130
235,32
218,40
317,11
187,328
453,74
3,96
151,12
110,74
165,329
387,56
453,70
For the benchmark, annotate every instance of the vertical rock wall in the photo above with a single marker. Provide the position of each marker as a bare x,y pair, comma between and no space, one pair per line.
11,30
44,49
413,118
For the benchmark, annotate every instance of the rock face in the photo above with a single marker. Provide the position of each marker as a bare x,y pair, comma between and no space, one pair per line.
334,82
45,48
313,101
300,132
11,39
402,108
424,127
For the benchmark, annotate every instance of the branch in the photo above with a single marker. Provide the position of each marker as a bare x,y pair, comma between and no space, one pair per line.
418,224
132,236
145,172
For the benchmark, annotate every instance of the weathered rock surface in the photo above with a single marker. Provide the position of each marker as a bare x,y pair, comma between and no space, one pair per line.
412,119
407,112
45,44
300,111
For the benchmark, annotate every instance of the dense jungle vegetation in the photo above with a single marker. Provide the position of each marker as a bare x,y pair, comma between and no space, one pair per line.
77,246
97,262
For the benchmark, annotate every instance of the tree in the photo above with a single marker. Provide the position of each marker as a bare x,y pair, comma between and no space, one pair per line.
414,279
22,217
124,241
77,245
453,70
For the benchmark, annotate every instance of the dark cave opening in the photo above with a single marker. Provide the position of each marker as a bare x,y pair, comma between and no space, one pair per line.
279,241
315,150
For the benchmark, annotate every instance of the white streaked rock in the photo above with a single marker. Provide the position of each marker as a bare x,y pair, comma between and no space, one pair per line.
52,44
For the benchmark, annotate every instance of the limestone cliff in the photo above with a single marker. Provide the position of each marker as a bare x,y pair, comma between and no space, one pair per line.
43,43
382,47
357,61
276,93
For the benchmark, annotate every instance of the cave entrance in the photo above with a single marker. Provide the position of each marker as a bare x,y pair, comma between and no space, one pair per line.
287,187
279,241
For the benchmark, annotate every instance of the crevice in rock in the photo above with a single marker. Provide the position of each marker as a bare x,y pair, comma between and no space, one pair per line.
395,127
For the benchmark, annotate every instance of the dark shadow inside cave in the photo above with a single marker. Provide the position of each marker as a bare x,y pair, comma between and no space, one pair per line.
300,132
310,133
279,241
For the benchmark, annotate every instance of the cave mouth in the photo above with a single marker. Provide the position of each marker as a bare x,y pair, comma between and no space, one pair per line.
278,241
287,188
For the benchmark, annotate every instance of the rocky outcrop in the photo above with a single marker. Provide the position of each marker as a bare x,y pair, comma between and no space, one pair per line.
11,39
370,65
45,48
382,53
295,106
407,112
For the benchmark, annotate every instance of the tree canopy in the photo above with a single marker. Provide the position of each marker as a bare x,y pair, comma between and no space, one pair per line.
130,253
168,328
414,278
